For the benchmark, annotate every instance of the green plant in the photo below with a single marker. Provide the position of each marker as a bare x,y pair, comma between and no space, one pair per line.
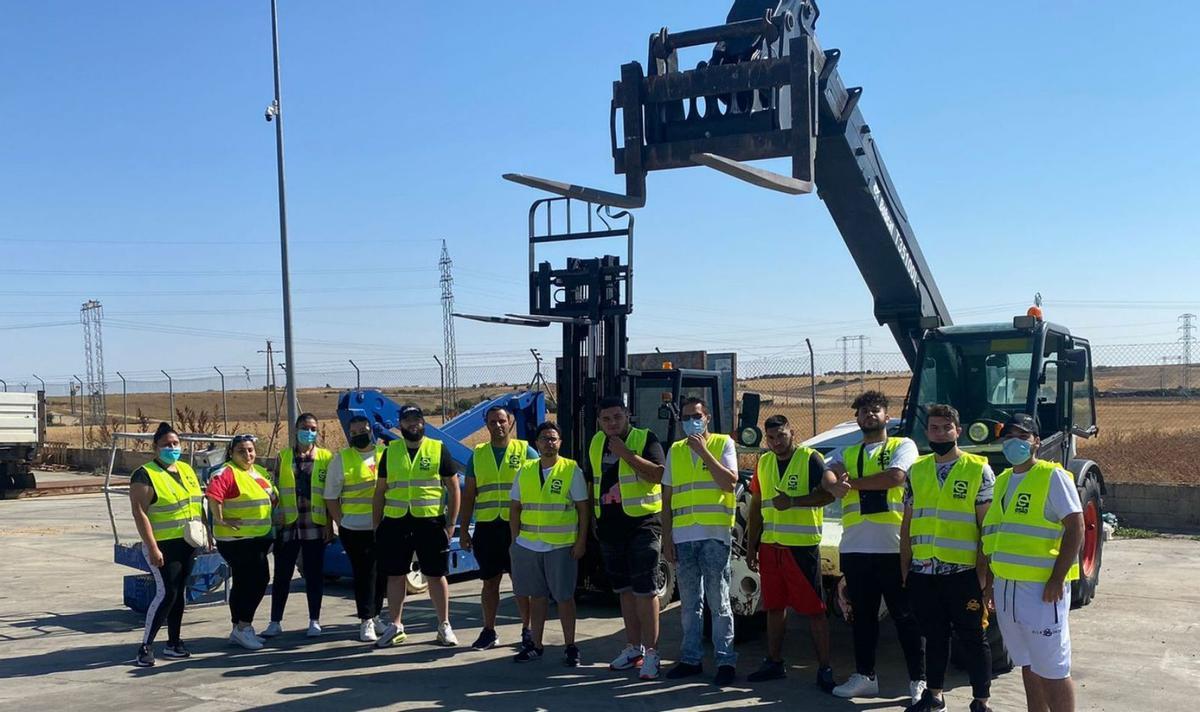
1136,533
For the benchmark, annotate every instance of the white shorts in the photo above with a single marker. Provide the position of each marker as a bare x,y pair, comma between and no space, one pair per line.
1046,650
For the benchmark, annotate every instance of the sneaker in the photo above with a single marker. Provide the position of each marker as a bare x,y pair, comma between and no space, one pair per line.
571,656
379,624
916,689
979,706
145,657
175,651
487,639
825,679
927,703
314,629
858,686
526,637
682,670
528,652
446,636
273,629
650,663
769,670
257,637
391,635
367,632
629,658
725,676
245,637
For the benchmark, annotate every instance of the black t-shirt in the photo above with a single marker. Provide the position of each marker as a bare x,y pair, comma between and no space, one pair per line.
445,468
614,523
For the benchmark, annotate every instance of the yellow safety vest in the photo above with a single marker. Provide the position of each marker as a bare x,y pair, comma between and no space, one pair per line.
638,497
413,484
492,482
1022,543
252,506
851,504
287,486
358,482
943,523
795,526
696,499
547,512
178,501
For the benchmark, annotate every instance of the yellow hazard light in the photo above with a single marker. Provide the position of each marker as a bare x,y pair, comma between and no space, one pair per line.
667,365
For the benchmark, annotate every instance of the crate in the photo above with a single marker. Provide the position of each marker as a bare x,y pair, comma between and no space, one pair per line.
139,591
130,555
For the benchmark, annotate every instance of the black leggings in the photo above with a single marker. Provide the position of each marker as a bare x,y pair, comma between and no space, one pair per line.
170,589
947,602
247,559
314,575
369,587
870,578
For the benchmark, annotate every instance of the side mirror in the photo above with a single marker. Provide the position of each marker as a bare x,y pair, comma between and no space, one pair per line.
996,360
1074,365
664,412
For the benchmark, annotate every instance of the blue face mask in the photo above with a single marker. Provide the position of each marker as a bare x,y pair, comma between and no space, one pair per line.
169,455
1017,451
693,427
306,437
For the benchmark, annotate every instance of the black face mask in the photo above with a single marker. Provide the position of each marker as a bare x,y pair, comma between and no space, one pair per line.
360,441
942,448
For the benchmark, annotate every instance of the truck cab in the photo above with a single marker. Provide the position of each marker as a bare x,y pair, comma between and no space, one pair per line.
657,395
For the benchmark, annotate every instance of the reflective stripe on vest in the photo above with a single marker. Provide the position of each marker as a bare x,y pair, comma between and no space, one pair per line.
851,503
358,482
492,482
638,497
696,499
795,526
1022,543
413,483
547,512
177,501
287,486
944,525
252,506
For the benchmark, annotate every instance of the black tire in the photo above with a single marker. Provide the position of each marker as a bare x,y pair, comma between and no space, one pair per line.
1083,590
665,579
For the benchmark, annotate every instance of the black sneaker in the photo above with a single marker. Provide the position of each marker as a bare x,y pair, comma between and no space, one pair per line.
177,651
571,656
927,703
978,706
682,670
770,670
526,637
725,676
487,639
528,653
825,679
145,657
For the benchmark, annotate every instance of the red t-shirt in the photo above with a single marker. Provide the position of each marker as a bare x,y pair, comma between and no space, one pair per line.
224,485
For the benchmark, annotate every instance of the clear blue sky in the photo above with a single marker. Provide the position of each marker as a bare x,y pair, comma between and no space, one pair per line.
1036,146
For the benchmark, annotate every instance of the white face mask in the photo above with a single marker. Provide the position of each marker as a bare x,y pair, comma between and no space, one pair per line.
1017,451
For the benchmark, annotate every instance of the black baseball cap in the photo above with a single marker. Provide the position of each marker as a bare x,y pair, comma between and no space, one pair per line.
1020,421
410,410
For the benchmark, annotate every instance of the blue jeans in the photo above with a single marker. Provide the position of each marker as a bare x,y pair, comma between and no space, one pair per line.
704,565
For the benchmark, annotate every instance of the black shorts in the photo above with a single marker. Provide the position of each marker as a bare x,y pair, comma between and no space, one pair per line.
490,542
631,563
397,540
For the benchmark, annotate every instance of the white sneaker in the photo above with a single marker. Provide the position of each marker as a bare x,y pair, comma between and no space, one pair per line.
272,630
445,635
257,637
314,629
916,688
650,663
858,686
391,635
367,633
245,637
629,658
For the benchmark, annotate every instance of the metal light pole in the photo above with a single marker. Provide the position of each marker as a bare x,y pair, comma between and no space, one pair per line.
812,384
442,370
41,382
274,112
357,375
224,407
124,402
171,392
5,384
82,431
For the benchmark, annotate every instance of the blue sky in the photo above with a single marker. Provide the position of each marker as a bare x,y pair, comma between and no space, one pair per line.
1036,147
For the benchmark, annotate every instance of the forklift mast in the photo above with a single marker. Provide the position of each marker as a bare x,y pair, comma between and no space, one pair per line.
769,91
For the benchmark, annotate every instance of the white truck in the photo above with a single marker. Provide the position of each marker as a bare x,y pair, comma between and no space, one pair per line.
22,431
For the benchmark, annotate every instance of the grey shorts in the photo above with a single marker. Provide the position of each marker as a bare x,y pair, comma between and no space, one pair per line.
544,574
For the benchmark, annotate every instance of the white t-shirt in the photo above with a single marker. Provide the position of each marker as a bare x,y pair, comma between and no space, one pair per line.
699,532
868,537
1022,600
335,479
578,493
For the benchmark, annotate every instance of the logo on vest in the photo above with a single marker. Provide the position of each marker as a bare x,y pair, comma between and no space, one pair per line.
1022,504
424,462
556,486
960,489
793,483
514,460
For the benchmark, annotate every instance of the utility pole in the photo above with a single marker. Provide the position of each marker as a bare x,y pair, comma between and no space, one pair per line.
448,346
845,342
1187,327
269,381
90,315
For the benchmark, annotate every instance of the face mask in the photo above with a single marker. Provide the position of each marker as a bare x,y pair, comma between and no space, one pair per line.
942,448
306,437
360,441
693,427
1017,451
169,455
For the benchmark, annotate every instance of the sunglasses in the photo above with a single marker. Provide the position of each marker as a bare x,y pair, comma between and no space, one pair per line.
243,439
693,416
